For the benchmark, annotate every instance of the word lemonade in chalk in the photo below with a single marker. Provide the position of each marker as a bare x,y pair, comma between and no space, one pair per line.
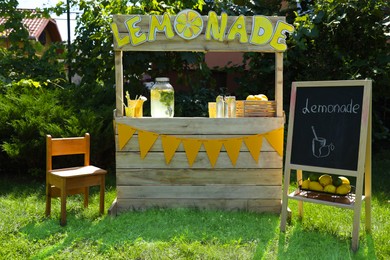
189,24
162,98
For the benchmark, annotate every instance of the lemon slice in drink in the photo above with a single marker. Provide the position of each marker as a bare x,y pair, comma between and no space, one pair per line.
188,24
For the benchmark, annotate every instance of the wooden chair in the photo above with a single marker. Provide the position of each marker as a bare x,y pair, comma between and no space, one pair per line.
68,181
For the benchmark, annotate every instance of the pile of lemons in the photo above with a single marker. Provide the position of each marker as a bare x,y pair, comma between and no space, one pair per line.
260,97
326,183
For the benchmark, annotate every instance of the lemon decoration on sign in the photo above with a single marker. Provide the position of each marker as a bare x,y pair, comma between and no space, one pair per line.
188,24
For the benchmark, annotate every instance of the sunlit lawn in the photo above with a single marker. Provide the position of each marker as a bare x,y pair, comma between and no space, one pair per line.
324,233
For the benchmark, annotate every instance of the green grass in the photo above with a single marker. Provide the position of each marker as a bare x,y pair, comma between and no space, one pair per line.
324,232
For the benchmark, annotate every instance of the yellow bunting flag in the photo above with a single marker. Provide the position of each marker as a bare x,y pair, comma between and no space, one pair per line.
254,143
233,147
146,140
213,147
275,139
191,147
170,145
125,133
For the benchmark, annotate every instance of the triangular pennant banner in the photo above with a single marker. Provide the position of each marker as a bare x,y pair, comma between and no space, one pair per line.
254,143
213,148
170,145
275,139
125,133
191,147
146,141
233,147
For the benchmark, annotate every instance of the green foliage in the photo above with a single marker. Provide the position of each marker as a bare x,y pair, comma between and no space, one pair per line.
342,40
92,48
29,111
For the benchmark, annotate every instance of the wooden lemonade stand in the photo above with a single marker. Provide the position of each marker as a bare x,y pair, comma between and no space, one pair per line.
208,163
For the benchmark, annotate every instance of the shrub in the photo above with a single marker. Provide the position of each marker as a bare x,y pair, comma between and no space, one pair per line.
28,111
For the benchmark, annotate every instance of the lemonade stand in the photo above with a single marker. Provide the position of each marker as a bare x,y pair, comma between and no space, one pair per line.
211,163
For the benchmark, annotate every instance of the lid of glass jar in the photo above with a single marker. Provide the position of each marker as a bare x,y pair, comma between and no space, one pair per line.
162,79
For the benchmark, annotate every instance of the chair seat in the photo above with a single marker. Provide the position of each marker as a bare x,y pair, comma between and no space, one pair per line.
77,171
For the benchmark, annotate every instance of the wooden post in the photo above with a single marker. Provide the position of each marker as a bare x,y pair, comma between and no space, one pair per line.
279,83
119,83
367,176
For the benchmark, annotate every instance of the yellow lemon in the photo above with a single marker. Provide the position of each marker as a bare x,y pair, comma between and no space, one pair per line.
344,180
188,24
330,188
261,97
155,94
325,180
250,97
343,189
315,186
305,184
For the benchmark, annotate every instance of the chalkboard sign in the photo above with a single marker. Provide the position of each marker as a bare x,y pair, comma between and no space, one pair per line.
329,131
327,120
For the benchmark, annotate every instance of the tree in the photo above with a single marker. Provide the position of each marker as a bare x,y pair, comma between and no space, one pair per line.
340,40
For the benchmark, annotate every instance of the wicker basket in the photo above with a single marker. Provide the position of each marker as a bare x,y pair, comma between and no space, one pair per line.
255,108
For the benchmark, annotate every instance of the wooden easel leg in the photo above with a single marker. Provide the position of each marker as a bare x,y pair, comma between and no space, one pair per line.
300,203
367,176
283,219
355,229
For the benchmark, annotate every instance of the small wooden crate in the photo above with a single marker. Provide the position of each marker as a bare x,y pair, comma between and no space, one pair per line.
255,108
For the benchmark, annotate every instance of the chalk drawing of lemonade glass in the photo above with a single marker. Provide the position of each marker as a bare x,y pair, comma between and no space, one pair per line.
319,147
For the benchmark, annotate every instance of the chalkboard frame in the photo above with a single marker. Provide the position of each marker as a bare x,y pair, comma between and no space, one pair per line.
366,85
362,173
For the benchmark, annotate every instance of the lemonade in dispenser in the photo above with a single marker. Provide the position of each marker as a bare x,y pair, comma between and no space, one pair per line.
162,98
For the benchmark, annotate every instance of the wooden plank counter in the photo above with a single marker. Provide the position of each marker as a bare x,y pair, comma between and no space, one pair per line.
151,182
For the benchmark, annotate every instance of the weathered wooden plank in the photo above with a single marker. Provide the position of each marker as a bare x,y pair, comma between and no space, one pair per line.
132,177
261,205
133,144
256,205
119,83
279,83
204,125
155,160
200,192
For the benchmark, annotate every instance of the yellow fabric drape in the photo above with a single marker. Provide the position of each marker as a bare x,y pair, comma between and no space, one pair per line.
233,147
192,146
146,140
169,144
213,148
253,143
125,133
275,139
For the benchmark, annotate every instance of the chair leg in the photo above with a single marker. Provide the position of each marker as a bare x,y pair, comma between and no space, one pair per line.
102,189
48,200
86,195
63,204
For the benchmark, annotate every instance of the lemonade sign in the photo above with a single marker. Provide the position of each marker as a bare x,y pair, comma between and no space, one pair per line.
132,31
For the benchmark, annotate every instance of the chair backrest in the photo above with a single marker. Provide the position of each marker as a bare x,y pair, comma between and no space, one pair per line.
67,146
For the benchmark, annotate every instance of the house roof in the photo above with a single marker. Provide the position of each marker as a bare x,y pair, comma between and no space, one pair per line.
35,27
